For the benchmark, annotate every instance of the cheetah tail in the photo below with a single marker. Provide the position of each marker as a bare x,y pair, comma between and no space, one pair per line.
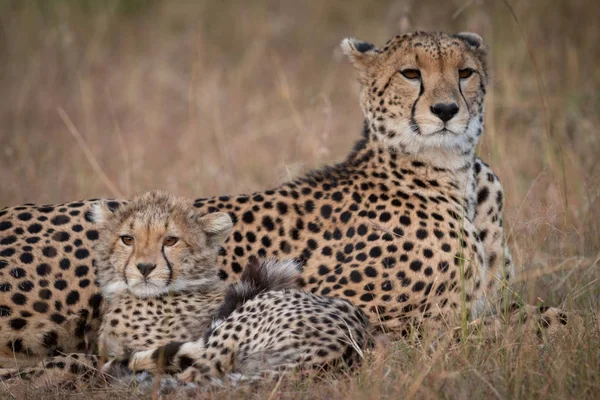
258,277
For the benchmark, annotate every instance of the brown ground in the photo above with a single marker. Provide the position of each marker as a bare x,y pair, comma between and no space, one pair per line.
204,98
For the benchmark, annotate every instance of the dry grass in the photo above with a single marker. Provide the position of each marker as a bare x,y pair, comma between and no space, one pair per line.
200,97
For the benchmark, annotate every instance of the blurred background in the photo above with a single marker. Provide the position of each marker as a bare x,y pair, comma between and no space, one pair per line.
110,98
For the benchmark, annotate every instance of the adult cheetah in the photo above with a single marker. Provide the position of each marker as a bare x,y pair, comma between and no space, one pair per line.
158,274
408,227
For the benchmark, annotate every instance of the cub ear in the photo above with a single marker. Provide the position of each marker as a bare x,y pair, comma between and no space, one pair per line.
100,212
473,39
217,226
362,54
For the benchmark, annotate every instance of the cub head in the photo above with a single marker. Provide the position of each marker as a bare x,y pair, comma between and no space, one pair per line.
157,244
423,92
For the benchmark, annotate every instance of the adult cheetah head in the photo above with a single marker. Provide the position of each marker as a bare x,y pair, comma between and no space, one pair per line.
423,92
157,244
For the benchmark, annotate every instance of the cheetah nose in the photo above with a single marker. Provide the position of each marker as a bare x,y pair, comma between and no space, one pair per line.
145,269
445,111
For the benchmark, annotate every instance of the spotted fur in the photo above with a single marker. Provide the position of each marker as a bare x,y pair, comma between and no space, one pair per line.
181,299
408,227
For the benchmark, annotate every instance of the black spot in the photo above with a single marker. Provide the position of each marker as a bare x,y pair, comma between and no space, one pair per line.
5,311
60,284
313,227
61,236
4,225
80,254
40,307
282,208
345,216
355,276
72,297
65,263
326,211
77,228
385,217
418,286
267,222
7,252
421,234
404,220
248,217
419,183
18,323
45,294
17,273
416,265
323,270
19,299
49,251
25,286
26,258
236,267
8,240
95,302
375,252
443,266
483,195
60,220
24,216
367,297
57,318
82,270
84,283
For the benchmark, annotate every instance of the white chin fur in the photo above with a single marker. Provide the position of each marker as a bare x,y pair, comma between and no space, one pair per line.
142,290
114,288
188,284
444,151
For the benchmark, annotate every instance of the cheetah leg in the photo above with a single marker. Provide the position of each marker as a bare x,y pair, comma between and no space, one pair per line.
173,357
489,204
527,324
54,371
540,321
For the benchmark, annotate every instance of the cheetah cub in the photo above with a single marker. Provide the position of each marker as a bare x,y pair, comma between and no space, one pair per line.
156,268
157,272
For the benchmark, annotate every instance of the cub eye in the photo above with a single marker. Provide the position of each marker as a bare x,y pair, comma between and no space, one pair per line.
127,240
170,241
465,73
411,73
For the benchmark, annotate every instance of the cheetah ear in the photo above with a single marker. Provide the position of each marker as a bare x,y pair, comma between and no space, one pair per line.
217,226
100,212
472,39
362,54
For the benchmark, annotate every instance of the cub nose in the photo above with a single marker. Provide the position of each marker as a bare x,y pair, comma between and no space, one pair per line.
145,269
445,111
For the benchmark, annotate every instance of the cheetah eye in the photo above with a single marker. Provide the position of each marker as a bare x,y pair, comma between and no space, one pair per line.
465,73
127,240
411,73
170,241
